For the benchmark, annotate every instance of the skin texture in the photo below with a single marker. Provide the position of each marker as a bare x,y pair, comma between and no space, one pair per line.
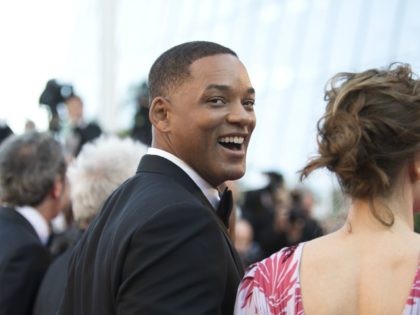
365,265
416,178
216,101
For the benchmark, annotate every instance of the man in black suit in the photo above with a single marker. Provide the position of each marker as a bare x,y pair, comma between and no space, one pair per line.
32,190
158,246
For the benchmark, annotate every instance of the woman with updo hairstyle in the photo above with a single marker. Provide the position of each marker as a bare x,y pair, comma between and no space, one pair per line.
369,137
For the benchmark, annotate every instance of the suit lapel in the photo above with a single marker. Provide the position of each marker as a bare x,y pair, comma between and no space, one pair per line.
156,164
160,165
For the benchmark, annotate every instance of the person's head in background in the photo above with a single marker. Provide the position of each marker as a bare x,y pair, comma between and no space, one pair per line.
370,138
142,128
244,236
275,180
74,105
302,200
32,173
101,167
30,126
201,109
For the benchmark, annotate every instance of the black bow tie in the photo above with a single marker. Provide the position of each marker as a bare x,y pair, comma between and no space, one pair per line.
225,207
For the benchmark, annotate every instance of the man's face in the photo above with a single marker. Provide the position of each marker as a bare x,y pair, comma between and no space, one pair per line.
74,109
212,117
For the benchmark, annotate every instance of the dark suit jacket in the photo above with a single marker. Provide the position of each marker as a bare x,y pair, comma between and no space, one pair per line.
51,290
156,248
23,262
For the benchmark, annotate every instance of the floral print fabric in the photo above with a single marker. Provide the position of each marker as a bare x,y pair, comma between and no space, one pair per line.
272,287
412,307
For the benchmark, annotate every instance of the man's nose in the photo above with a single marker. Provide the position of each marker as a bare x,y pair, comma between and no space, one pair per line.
240,114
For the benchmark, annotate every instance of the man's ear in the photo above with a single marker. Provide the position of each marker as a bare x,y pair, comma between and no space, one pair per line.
159,113
57,188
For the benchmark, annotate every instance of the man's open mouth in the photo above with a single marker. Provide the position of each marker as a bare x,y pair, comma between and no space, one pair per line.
232,143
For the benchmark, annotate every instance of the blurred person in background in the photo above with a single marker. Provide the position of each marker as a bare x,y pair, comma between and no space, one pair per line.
249,250
259,206
5,131
278,233
236,212
142,128
64,232
370,138
76,131
30,126
301,215
67,119
100,167
33,189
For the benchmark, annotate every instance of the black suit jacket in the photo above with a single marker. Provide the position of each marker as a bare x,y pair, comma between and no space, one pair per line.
156,248
51,290
23,262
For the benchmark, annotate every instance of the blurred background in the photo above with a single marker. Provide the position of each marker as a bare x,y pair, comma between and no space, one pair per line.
104,49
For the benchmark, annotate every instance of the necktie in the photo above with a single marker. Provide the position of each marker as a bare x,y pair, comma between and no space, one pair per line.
225,207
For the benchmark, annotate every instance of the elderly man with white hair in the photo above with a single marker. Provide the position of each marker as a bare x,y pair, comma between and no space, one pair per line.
100,167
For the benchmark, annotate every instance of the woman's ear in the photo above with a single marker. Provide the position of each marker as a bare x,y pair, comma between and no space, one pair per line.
159,113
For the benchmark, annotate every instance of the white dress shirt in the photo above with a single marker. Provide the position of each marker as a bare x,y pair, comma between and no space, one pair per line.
37,221
210,192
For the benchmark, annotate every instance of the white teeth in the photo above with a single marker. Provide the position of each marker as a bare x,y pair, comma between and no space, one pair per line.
237,140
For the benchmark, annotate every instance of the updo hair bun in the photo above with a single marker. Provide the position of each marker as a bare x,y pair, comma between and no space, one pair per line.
370,129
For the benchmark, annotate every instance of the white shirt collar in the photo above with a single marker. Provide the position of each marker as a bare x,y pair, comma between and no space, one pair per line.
37,221
210,192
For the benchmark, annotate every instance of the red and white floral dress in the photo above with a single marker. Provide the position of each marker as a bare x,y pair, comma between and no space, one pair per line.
272,287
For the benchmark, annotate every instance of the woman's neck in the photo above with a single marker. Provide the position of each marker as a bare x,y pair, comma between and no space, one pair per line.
361,218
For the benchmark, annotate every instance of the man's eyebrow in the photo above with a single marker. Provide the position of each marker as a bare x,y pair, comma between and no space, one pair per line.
226,88
220,87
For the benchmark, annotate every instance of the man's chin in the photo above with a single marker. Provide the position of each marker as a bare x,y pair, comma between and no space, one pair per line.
229,172
236,174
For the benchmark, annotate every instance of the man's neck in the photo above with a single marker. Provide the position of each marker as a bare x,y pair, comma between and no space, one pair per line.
209,191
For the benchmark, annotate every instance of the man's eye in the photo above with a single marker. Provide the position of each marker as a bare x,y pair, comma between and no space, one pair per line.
249,103
217,101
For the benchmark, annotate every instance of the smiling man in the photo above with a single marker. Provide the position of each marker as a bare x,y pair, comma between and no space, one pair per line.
159,245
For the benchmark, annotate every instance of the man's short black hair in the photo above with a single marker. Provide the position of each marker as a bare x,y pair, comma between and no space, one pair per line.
172,67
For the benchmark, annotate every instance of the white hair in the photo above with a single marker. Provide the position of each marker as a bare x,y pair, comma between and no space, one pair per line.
100,167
